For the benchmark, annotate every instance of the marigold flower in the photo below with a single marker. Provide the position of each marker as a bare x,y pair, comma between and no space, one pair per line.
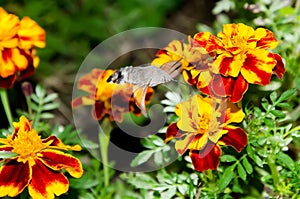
203,126
36,164
241,57
106,98
18,40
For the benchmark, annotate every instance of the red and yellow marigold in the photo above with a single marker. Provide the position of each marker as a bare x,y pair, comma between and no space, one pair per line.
107,98
18,40
240,56
35,163
203,126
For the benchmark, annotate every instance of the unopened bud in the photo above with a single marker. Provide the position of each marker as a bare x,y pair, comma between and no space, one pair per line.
27,89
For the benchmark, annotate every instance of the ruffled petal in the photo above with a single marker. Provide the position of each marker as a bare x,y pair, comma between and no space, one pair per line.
182,145
236,137
56,143
58,160
279,69
228,65
173,132
199,142
206,159
231,114
46,183
82,100
208,41
14,177
258,66
240,87
31,34
266,39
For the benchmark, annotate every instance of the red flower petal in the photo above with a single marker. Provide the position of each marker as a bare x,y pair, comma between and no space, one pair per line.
46,182
14,177
8,81
172,132
222,86
279,69
206,159
236,137
98,110
240,87
57,160
208,41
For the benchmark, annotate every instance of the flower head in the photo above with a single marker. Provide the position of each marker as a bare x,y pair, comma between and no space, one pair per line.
204,125
240,56
18,40
36,164
106,98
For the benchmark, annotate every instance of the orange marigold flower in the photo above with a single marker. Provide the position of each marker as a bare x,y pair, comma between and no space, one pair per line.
241,56
194,59
18,40
203,126
35,163
106,98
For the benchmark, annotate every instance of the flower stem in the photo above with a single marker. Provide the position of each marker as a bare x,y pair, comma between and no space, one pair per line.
274,172
5,102
104,137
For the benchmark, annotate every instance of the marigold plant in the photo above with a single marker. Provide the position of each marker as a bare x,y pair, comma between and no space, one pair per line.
203,126
35,163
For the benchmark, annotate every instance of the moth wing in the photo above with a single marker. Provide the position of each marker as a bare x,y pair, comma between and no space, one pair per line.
173,68
139,94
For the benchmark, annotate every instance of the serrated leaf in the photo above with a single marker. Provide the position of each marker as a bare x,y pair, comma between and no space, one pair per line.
269,122
148,143
183,189
35,98
141,158
258,161
278,113
241,171
47,116
284,105
273,97
168,193
158,158
247,166
228,158
226,177
265,104
40,91
286,94
286,160
51,106
50,97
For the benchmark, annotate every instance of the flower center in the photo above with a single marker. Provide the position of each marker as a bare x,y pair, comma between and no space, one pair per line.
27,144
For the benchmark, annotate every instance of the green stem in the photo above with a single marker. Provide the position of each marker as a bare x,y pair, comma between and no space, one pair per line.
5,102
104,137
274,172
28,101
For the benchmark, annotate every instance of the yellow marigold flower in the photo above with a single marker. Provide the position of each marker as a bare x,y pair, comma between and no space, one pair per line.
106,98
18,40
36,164
204,124
241,56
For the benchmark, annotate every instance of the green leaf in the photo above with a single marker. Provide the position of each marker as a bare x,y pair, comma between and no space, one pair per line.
269,122
50,97
226,177
40,91
47,116
273,97
141,158
286,94
146,142
241,171
265,104
228,158
183,189
168,193
284,105
158,158
286,160
51,106
278,113
247,166
7,154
